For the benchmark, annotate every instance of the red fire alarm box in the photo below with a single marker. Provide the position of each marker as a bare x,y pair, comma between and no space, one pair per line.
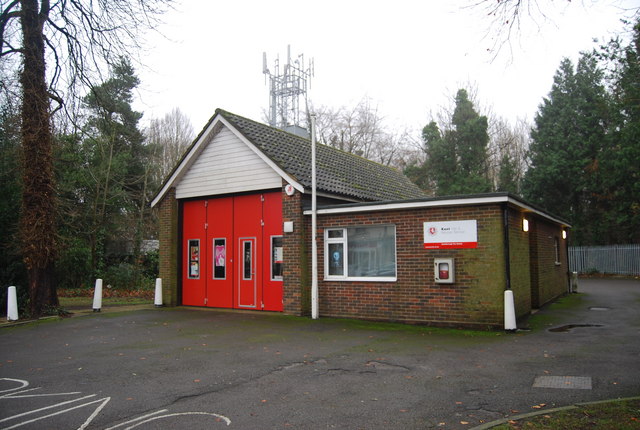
443,270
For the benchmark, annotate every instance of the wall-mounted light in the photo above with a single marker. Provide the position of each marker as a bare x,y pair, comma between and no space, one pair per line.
525,224
564,233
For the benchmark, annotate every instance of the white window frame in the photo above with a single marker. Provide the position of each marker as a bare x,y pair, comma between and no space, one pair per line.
556,247
272,276
344,240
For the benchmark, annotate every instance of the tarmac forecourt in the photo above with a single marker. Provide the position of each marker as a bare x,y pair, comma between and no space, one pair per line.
148,368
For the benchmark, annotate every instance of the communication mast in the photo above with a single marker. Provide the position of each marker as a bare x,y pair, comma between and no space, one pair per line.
287,89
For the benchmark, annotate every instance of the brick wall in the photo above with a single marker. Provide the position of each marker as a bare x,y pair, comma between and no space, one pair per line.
296,270
519,263
476,297
549,277
168,252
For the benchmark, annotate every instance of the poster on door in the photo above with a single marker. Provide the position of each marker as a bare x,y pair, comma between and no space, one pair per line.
219,258
451,234
194,258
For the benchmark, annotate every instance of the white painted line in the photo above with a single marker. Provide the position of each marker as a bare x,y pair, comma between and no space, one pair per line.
137,419
45,408
20,381
15,395
222,417
94,414
56,413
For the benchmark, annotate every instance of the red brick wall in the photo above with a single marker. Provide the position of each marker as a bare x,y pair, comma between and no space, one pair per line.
296,270
168,253
476,297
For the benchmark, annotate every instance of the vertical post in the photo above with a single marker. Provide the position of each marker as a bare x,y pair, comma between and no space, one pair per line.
97,296
314,227
509,312
158,297
12,304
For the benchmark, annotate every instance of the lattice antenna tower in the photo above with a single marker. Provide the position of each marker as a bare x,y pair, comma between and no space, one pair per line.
287,90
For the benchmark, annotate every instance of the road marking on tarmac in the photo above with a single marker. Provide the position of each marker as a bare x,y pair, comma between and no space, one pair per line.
19,392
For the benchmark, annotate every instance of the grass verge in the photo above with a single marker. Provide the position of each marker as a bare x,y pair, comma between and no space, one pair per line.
614,415
79,302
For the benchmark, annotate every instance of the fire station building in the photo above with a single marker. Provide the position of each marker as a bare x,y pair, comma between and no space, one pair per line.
235,232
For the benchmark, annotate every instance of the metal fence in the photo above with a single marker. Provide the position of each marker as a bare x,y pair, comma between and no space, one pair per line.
612,259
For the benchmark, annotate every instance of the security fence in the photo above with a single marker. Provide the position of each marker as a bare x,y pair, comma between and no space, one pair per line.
611,259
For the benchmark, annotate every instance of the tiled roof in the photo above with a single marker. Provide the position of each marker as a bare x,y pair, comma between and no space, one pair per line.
338,172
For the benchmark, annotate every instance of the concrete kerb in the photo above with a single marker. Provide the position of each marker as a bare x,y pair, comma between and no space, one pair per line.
78,313
487,426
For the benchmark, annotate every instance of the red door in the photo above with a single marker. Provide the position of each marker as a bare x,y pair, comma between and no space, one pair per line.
247,226
272,252
232,252
247,274
194,253
221,252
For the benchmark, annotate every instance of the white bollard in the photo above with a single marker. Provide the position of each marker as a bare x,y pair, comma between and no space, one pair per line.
509,312
158,298
97,296
574,282
12,304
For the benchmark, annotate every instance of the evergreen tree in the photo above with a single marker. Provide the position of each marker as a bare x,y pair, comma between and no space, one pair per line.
567,142
456,158
107,192
621,163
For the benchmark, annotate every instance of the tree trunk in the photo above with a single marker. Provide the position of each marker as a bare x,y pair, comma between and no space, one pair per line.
37,223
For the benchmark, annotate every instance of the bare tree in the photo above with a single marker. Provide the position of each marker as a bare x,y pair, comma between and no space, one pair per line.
508,147
78,37
169,136
361,130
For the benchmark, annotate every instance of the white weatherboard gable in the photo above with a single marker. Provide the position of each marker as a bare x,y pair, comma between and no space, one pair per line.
226,165
223,161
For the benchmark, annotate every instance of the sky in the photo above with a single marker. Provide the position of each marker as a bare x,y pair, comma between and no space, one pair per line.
408,57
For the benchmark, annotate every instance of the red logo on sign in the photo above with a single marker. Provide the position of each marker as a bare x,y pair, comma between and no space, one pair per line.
432,231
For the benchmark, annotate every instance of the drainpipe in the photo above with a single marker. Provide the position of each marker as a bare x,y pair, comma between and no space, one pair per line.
509,308
314,225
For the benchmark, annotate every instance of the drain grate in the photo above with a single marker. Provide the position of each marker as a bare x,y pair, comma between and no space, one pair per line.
568,327
564,382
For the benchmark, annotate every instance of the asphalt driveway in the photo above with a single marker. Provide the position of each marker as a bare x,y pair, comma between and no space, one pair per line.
194,369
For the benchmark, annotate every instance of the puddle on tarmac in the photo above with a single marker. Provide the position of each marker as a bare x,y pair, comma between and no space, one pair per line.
568,327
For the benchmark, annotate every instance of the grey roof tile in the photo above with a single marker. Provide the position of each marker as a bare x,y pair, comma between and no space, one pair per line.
338,172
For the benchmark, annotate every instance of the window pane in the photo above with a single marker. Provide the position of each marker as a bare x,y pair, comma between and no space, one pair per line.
335,233
248,263
336,259
372,251
276,258
194,259
219,258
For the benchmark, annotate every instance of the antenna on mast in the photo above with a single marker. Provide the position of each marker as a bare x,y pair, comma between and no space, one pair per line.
285,91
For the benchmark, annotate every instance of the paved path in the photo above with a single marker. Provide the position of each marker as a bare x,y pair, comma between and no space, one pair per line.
195,369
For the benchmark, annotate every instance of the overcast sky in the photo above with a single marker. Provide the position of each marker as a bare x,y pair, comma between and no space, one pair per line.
409,57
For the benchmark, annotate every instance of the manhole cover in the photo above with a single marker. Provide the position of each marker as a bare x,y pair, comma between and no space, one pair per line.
598,308
564,382
568,327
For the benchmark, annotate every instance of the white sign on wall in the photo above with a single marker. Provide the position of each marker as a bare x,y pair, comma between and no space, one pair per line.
451,234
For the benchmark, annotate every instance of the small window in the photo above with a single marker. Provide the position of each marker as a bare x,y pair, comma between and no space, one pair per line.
277,258
194,258
220,258
247,266
361,253
556,245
